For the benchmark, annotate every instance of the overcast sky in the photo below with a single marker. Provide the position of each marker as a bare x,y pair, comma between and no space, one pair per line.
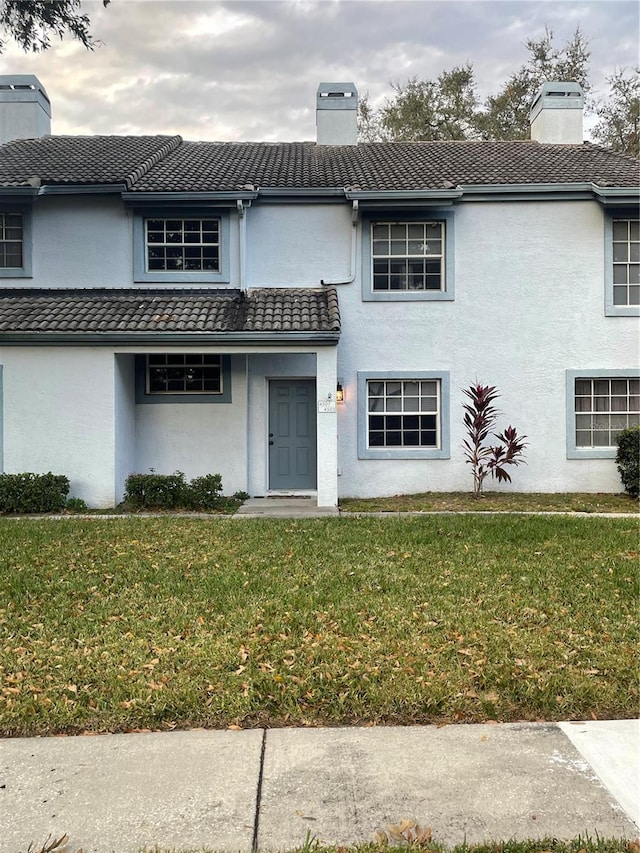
236,70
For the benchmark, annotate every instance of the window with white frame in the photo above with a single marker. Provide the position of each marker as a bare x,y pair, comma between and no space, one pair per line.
626,262
182,245
603,406
408,256
403,413
176,373
11,241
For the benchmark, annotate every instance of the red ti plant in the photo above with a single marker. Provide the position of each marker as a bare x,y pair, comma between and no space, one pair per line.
480,416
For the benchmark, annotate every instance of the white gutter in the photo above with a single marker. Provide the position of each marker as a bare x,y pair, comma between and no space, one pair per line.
354,242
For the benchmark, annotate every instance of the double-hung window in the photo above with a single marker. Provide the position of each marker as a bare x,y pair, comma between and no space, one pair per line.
600,405
403,415
181,248
408,258
622,259
15,244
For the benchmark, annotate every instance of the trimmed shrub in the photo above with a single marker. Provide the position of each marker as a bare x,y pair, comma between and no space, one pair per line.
628,459
156,491
33,492
205,492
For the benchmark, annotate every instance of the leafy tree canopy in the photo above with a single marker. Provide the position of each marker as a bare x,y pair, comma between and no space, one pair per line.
32,22
448,107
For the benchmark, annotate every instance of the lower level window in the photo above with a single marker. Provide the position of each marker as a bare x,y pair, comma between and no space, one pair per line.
184,374
604,407
403,413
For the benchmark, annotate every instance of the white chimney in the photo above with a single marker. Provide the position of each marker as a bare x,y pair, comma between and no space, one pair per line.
25,110
556,114
337,114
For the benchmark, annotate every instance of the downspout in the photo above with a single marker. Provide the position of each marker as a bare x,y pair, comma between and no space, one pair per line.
354,242
242,242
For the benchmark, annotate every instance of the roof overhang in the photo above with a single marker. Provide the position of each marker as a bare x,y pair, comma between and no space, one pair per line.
146,339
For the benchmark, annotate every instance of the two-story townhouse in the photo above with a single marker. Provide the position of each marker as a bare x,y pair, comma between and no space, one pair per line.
303,317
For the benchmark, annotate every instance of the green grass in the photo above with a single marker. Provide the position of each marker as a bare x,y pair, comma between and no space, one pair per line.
545,845
124,624
494,502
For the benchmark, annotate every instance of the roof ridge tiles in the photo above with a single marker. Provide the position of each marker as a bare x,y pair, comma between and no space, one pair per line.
170,145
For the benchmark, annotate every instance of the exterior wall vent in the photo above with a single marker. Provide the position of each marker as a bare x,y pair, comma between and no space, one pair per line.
337,114
556,114
25,109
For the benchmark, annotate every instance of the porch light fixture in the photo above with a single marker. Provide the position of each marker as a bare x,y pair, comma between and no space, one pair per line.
339,393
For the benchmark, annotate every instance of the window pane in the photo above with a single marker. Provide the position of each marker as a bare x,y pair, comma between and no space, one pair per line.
620,229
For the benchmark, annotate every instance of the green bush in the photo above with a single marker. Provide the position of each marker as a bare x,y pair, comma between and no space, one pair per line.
33,492
171,491
205,492
156,491
628,459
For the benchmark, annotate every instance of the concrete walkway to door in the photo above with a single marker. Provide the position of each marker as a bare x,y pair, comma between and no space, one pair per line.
284,507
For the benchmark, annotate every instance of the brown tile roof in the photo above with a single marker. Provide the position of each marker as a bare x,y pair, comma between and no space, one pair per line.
167,164
197,312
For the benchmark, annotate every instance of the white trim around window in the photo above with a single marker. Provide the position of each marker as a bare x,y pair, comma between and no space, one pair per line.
181,239
403,414
408,257
599,404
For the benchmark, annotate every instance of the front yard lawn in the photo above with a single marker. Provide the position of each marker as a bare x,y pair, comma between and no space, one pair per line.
132,623
495,502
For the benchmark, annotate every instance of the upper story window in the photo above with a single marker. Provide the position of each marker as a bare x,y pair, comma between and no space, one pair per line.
622,266
15,243
183,245
11,238
408,258
626,262
408,255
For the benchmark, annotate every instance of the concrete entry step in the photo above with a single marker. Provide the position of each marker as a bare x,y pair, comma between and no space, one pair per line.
285,506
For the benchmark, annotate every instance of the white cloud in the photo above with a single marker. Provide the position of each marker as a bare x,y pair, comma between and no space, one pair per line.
249,70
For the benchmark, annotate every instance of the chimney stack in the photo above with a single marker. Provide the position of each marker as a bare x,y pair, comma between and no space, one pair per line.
25,110
337,114
556,114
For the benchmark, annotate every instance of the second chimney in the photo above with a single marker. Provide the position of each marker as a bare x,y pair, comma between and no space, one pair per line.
556,114
337,114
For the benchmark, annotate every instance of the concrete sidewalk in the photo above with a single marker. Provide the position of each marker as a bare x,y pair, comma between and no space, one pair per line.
269,789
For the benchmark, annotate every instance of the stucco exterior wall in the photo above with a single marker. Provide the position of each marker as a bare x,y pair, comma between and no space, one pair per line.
59,416
529,304
197,438
298,245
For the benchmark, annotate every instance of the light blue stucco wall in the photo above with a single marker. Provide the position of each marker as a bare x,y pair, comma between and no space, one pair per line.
529,305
